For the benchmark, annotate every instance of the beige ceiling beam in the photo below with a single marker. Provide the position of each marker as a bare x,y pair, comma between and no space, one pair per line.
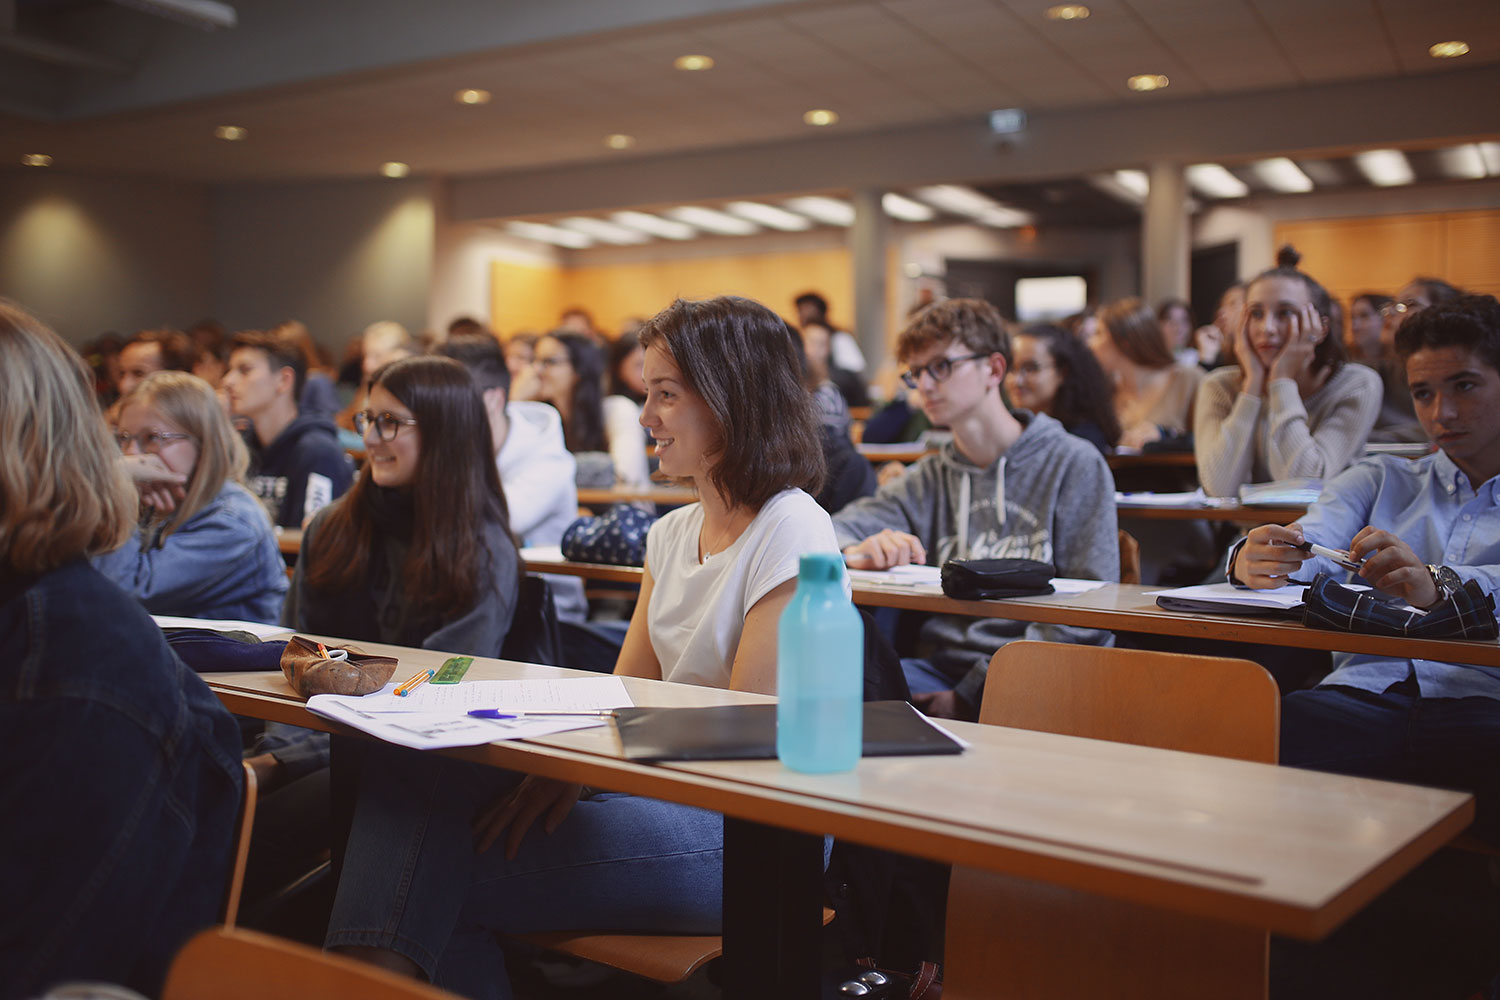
1431,109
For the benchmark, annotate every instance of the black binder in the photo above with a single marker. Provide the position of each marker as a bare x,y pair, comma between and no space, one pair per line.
748,732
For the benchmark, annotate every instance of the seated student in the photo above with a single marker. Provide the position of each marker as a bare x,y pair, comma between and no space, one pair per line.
729,412
1419,528
536,469
627,368
1175,318
1153,394
817,342
1009,485
153,351
297,465
849,474
1055,374
1291,408
205,547
570,372
845,353
123,780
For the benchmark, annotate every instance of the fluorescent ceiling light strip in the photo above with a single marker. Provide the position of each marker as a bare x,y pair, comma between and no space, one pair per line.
1490,153
1281,174
711,221
667,229
605,232
1212,180
1461,162
1135,182
830,211
1384,167
769,216
1004,218
549,234
956,199
903,208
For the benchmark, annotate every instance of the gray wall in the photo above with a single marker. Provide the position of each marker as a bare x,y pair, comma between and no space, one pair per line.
89,254
336,255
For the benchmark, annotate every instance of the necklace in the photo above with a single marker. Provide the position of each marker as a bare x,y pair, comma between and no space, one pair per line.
711,548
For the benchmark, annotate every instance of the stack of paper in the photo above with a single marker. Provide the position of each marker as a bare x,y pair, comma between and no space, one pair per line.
1282,493
437,715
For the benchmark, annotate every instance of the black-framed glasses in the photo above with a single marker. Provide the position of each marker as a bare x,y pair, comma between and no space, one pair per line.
150,442
386,424
939,369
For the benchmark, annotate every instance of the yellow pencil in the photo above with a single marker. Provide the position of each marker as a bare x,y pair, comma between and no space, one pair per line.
413,682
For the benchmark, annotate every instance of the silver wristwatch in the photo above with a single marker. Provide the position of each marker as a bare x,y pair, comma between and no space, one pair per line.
1445,580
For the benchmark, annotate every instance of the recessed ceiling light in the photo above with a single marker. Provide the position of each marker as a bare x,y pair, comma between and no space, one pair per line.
231,133
831,211
555,235
1384,167
1068,12
713,221
1147,81
37,160
472,97
903,208
1134,182
693,64
1281,174
820,116
770,216
395,168
619,140
669,229
1213,181
607,232
1448,50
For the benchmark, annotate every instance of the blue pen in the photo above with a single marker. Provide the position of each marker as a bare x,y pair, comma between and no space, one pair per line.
495,713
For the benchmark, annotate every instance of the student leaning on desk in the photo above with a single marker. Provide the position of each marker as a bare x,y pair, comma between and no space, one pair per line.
120,790
1419,528
728,411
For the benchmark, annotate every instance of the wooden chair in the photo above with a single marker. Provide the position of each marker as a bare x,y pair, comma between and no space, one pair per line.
1013,937
242,830
1130,558
236,964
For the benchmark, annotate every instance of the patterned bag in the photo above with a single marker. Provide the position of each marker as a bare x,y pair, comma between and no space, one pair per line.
616,537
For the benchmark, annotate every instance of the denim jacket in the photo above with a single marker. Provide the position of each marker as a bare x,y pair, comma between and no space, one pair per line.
223,563
118,792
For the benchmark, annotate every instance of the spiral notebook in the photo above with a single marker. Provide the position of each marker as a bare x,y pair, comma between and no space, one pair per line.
748,732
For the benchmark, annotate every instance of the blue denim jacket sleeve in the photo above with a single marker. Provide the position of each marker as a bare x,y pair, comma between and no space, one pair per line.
223,563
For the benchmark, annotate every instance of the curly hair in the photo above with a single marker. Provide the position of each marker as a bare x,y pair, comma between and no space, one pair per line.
1083,391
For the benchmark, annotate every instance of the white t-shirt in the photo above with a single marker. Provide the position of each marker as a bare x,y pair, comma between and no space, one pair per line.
537,476
697,611
627,441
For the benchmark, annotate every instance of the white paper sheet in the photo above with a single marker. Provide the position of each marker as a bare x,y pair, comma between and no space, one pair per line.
542,553
256,629
1161,499
928,580
571,694
436,730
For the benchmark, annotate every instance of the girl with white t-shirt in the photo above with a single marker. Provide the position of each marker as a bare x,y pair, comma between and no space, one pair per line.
730,415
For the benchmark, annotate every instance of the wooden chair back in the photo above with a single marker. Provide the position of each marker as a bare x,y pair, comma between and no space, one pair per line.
241,851
1130,558
1017,938
237,964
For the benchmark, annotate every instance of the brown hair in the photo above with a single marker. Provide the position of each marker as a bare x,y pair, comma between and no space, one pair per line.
282,350
740,358
1133,329
1330,351
455,490
189,402
63,491
972,322
177,351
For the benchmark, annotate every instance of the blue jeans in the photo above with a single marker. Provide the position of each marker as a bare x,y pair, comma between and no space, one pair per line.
1397,735
413,884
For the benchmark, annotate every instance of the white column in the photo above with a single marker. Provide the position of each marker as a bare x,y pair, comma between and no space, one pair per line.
867,241
1165,239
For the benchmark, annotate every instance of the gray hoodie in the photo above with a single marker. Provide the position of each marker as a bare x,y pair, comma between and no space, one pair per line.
1049,497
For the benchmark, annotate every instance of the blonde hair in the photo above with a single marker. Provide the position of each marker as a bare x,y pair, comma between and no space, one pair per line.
189,402
63,492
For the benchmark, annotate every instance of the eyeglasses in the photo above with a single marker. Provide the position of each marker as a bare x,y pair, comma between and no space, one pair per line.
1031,369
939,369
150,442
551,362
386,424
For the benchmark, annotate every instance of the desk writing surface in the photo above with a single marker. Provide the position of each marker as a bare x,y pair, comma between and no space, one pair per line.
1292,851
664,494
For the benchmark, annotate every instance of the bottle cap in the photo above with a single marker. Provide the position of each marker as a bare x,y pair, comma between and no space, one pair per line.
821,567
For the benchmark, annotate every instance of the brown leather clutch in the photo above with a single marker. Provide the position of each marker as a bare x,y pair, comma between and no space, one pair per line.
346,670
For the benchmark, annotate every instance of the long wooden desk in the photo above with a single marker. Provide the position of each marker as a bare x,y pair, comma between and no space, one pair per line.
1292,852
1232,514
1116,607
668,496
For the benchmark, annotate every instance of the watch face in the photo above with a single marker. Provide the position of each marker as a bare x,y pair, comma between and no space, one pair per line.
1448,580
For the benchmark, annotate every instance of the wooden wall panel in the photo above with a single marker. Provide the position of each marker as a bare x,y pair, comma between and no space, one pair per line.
1474,251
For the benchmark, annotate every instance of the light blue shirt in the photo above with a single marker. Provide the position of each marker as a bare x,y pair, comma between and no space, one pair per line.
1431,506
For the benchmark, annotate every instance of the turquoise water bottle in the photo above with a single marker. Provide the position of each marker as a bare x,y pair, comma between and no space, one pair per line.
820,650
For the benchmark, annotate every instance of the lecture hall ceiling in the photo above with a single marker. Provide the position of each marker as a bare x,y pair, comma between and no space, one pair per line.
337,87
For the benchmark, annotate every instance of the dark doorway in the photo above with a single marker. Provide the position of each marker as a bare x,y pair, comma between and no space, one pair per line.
995,280
1212,270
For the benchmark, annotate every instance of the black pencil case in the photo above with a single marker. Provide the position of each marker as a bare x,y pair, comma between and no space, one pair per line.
986,579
